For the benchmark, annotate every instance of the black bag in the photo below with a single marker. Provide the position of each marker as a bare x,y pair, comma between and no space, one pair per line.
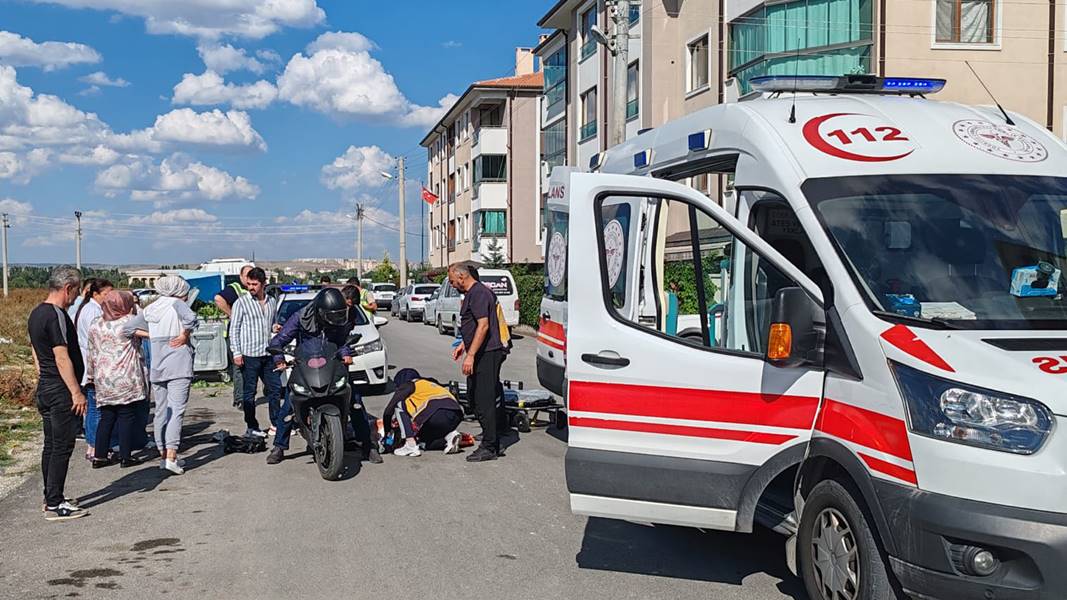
246,445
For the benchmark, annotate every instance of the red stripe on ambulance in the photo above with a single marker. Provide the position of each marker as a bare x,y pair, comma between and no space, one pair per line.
890,469
724,406
683,430
865,427
907,342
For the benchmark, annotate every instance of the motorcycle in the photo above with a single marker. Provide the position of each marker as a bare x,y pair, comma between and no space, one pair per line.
321,396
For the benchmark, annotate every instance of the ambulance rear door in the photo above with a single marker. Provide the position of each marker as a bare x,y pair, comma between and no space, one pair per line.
665,427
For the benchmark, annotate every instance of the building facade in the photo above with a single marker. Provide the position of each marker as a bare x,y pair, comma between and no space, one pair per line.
483,157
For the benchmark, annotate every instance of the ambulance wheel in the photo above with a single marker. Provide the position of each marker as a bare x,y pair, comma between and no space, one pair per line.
837,553
521,422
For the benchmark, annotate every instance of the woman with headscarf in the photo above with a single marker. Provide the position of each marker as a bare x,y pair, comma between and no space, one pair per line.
115,366
169,323
423,412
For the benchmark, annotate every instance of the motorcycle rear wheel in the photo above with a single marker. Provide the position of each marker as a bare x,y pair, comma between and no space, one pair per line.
330,449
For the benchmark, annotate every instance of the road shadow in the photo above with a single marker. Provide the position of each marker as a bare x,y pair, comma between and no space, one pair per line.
559,433
686,553
198,446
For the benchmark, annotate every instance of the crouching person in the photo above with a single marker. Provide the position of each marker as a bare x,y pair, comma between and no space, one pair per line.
423,412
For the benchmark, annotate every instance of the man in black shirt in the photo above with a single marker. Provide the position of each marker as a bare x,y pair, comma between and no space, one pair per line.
225,301
54,342
485,343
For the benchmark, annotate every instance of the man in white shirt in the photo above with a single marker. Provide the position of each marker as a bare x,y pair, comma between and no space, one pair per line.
250,332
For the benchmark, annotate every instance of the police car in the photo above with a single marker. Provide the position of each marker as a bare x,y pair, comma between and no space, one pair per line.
880,370
369,369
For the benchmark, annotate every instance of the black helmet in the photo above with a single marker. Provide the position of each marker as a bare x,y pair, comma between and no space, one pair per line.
331,308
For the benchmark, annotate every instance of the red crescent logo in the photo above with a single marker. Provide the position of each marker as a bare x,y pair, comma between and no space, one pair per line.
812,135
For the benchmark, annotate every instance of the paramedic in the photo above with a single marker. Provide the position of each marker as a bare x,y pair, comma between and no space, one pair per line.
485,344
426,414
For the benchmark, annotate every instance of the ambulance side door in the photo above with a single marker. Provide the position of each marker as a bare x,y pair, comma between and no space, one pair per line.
672,406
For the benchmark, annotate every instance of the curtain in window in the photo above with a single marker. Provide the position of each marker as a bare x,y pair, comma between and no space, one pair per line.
946,20
975,20
493,222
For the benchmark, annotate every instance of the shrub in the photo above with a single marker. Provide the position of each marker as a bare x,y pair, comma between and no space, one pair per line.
531,288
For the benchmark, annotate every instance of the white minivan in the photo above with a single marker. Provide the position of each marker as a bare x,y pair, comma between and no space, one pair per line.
500,281
880,373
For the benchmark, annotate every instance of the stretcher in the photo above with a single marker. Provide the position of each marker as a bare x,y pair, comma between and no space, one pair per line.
524,408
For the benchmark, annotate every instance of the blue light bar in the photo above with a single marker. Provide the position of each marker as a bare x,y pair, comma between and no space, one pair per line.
906,85
292,288
846,84
642,159
596,161
700,140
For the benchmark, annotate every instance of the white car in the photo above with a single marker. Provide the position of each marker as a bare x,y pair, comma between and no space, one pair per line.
429,313
384,294
500,281
413,302
370,364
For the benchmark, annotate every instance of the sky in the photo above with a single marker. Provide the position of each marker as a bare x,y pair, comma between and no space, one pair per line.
186,130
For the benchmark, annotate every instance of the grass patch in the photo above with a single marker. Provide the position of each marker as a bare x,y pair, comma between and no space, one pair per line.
19,419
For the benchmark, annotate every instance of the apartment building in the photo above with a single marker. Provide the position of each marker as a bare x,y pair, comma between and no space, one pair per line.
483,156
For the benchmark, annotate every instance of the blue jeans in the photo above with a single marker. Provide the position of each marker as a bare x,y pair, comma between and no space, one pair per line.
256,369
357,415
92,419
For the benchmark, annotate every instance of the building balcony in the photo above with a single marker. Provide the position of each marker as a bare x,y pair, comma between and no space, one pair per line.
451,164
588,49
490,195
490,140
587,131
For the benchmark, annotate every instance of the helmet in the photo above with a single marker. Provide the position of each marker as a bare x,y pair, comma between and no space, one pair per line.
331,308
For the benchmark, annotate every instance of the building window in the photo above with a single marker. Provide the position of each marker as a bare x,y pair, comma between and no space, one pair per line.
633,83
554,145
635,12
490,167
588,116
588,41
555,68
697,52
492,223
965,21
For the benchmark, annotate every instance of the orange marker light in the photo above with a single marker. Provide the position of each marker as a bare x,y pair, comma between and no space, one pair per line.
780,342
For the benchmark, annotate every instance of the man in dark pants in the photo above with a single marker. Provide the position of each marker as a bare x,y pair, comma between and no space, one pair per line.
250,332
486,343
54,343
225,300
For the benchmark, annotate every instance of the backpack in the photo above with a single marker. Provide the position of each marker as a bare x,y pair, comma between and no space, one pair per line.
245,445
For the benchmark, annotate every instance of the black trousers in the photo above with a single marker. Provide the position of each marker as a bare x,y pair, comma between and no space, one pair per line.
124,416
60,426
483,388
437,426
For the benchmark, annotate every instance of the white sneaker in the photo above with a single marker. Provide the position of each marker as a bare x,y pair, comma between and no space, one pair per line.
163,463
174,467
452,441
408,450
255,433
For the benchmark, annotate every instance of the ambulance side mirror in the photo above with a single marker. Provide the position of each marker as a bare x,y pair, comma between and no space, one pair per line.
798,328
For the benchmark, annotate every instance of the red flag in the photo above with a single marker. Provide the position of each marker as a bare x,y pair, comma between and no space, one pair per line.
428,196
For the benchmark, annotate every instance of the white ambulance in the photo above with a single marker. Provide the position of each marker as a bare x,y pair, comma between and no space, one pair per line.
880,372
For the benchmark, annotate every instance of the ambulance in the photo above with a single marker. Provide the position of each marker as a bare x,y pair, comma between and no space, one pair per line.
880,366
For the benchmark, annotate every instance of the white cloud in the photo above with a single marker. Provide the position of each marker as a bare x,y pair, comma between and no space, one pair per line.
427,116
175,178
358,168
223,58
210,89
20,168
326,219
339,77
269,56
231,130
211,19
16,210
101,79
450,44
100,155
19,51
28,120
92,90
172,217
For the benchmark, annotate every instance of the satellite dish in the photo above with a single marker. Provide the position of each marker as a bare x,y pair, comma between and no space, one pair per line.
599,36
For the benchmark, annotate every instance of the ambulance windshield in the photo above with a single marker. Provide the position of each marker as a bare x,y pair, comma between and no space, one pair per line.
966,251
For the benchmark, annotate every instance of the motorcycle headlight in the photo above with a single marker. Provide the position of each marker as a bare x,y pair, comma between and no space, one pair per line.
369,347
954,412
299,388
340,383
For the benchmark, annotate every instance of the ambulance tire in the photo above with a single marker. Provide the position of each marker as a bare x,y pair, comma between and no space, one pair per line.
831,513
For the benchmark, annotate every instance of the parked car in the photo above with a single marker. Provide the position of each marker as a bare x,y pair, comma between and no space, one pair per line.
384,293
413,303
447,308
369,368
398,297
429,313
499,280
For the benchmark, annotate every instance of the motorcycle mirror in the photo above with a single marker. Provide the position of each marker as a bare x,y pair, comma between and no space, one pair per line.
353,339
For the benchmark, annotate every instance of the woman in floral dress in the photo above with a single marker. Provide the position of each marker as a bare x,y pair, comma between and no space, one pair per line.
116,367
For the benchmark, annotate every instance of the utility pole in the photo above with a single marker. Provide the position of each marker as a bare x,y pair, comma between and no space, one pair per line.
403,233
621,51
78,240
7,225
359,241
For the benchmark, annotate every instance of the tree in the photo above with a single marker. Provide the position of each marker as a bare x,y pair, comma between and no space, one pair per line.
495,259
385,272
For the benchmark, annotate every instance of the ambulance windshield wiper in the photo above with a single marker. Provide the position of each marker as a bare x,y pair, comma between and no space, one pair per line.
934,323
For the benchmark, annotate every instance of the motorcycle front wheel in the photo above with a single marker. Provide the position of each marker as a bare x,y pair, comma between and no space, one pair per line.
330,448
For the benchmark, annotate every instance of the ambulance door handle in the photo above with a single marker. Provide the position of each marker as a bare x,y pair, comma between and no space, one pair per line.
606,358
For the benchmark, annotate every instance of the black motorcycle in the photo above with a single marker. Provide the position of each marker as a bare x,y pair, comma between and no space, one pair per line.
321,396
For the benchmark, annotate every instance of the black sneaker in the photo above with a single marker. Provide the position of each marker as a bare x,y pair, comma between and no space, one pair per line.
130,462
482,454
100,463
373,456
276,456
63,512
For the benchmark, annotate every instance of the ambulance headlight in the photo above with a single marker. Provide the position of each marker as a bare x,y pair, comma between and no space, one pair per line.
964,414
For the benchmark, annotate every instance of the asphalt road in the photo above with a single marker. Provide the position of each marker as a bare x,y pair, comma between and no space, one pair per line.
430,527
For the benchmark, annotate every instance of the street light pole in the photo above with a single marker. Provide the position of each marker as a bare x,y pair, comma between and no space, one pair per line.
359,241
78,239
6,225
622,59
403,233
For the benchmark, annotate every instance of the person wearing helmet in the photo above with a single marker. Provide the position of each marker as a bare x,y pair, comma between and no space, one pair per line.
327,316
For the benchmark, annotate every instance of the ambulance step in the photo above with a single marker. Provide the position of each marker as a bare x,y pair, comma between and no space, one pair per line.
776,517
